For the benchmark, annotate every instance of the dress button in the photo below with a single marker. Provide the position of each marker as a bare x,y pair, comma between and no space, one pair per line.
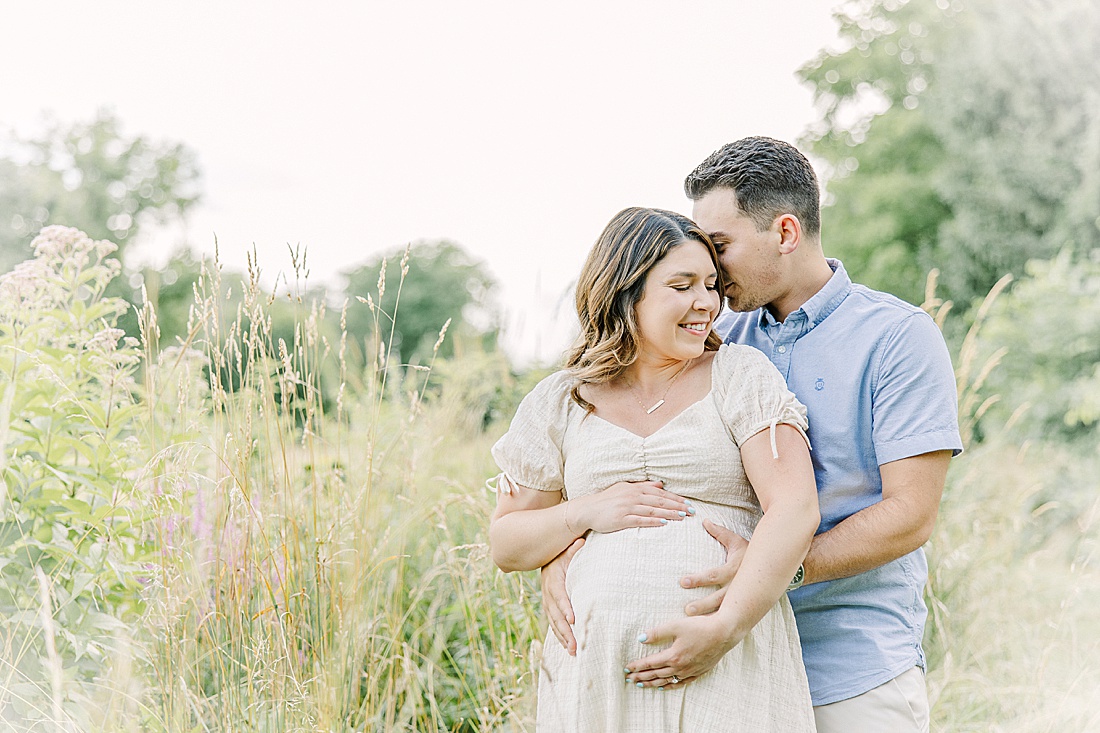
782,349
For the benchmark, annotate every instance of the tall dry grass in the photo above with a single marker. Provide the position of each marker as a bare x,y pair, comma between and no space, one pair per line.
1013,634
322,566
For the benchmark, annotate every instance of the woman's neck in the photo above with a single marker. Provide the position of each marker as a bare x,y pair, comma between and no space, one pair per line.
649,374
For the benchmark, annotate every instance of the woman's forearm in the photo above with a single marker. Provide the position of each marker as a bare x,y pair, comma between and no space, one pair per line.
778,546
783,479
527,539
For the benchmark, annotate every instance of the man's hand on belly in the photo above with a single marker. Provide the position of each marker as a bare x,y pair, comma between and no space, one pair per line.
720,576
555,599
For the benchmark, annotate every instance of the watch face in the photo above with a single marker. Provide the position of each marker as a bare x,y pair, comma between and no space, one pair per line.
796,582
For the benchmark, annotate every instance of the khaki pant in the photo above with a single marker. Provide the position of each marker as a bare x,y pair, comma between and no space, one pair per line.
899,706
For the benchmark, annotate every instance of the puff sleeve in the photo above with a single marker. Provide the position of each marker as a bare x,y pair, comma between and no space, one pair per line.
752,395
530,453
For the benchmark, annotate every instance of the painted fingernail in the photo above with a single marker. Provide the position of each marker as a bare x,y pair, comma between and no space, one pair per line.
641,638
626,670
665,521
691,510
662,689
639,685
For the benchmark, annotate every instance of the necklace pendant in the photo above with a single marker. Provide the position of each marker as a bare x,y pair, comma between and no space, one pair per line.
653,409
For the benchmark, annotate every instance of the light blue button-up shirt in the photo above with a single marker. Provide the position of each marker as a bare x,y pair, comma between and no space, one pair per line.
877,382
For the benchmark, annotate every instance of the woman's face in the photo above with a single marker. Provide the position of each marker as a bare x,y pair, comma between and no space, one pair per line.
679,303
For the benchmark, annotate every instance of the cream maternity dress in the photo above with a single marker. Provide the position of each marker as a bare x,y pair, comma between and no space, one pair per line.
625,582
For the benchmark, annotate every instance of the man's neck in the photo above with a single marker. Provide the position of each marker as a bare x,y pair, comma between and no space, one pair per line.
806,285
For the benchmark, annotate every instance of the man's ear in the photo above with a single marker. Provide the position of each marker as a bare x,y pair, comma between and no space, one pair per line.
789,229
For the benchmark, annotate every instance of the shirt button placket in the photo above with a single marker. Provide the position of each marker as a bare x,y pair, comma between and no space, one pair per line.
781,355
789,331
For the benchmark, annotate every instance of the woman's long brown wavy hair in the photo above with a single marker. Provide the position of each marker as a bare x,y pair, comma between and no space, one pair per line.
612,282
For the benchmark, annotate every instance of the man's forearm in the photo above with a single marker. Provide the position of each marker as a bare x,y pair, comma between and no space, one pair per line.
887,530
864,541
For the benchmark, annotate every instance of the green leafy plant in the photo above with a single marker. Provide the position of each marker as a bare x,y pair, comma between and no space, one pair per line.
70,529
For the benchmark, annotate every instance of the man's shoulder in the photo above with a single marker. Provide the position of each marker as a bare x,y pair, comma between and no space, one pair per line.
734,326
872,306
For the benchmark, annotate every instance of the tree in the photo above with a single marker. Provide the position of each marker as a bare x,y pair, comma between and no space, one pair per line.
883,211
1017,110
442,283
90,176
1048,327
958,136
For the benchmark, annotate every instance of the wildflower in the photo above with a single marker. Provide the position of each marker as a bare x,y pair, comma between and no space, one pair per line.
105,341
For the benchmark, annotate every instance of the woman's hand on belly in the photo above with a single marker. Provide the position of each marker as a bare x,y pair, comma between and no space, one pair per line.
626,505
697,645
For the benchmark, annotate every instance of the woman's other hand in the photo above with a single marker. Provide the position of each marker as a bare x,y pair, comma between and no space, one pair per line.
697,645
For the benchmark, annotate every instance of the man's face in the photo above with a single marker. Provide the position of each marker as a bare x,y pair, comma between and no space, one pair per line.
750,258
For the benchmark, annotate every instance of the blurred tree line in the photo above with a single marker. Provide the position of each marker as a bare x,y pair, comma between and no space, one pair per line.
91,176
964,135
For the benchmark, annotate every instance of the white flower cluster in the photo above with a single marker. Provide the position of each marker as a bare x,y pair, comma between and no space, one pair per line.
26,288
65,260
105,341
55,245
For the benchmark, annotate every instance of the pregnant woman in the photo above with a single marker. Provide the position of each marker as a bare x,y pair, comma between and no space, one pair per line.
647,396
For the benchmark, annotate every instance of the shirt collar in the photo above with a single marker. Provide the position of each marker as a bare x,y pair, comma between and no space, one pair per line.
823,302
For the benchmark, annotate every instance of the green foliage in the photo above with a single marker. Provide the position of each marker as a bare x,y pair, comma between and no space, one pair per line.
960,136
884,209
439,283
1017,108
70,525
169,289
887,233
91,176
1013,573
1048,326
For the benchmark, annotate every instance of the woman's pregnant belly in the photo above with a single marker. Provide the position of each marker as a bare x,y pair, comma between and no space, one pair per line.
623,583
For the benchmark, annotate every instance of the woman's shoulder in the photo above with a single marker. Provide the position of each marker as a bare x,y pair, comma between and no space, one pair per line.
554,385
551,396
742,371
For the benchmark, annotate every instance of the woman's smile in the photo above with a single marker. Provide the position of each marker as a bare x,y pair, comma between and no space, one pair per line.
697,328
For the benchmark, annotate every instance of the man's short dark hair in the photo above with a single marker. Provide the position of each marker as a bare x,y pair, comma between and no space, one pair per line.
769,177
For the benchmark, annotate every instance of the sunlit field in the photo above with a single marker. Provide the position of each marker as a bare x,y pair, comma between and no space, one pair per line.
260,531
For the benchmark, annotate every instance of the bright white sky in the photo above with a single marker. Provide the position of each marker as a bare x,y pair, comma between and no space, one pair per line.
516,129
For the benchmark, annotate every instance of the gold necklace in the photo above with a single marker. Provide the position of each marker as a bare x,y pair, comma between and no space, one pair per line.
658,403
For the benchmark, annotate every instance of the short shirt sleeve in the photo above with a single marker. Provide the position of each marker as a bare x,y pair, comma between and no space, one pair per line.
752,395
915,403
530,454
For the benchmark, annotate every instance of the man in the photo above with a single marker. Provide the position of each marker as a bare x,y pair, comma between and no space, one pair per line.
876,378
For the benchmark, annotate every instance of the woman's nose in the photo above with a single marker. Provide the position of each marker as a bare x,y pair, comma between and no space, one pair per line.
707,300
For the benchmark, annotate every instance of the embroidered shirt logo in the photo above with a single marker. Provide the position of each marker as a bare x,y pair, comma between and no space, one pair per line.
819,385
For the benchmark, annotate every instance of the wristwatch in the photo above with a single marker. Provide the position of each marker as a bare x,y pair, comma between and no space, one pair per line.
799,576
